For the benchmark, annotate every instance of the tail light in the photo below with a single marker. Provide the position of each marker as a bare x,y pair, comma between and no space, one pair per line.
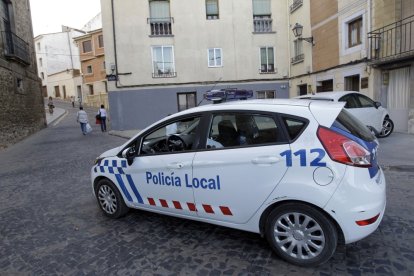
344,150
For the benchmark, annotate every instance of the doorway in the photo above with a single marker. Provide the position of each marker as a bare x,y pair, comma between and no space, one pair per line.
398,98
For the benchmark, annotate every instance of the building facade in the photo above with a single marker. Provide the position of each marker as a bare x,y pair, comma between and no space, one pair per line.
93,68
65,84
163,56
22,109
56,52
391,57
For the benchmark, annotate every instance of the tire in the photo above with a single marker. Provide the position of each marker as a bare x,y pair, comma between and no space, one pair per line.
110,199
294,242
387,128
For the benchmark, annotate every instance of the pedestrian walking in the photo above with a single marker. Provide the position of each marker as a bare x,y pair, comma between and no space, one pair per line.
102,114
72,99
82,118
50,105
80,101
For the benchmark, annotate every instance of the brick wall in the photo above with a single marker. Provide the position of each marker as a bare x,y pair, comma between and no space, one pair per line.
21,103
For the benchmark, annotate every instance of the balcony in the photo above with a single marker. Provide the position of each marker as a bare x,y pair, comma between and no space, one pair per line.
296,4
164,70
161,26
267,69
15,48
297,58
393,42
262,25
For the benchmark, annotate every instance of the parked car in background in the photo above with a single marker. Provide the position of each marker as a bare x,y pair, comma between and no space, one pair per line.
369,112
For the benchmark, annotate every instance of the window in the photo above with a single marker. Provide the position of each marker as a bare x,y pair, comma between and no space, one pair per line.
271,94
214,57
212,9
177,136
103,66
262,16
42,75
242,129
87,46
298,51
324,86
40,62
294,126
38,46
352,83
163,62
160,20
186,100
350,101
267,62
100,41
89,69
90,89
355,32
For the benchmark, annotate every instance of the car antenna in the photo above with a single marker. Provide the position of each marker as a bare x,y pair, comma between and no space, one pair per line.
210,90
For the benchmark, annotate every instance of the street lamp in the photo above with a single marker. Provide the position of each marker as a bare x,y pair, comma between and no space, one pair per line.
297,32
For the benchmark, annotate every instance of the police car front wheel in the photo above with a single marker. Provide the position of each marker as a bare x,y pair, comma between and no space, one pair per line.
301,234
109,199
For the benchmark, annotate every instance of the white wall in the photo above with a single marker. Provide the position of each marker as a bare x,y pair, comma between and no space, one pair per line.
66,79
193,35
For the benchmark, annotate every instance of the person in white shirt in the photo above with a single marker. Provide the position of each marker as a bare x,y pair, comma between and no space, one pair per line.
103,114
82,118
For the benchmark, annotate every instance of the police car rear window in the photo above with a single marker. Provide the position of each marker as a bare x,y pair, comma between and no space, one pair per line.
347,122
294,127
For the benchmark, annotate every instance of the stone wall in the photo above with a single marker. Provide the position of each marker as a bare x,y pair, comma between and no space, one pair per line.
22,109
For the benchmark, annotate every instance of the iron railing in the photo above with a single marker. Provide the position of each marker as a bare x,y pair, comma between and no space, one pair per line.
297,58
161,26
262,25
392,42
296,4
15,47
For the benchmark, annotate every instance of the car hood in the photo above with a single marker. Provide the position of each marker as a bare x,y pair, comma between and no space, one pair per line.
111,152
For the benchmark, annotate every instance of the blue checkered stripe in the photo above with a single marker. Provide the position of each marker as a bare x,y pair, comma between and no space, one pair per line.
117,167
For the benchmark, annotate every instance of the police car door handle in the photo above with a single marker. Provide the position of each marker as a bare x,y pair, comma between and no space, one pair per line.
175,165
265,160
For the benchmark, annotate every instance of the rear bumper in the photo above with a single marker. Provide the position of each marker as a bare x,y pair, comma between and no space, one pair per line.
356,201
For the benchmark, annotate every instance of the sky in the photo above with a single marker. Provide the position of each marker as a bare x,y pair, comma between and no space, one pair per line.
48,16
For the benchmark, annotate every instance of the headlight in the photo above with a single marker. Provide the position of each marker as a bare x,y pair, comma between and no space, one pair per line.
98,160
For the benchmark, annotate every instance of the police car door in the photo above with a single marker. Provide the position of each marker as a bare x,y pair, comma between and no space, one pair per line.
240,166
163,166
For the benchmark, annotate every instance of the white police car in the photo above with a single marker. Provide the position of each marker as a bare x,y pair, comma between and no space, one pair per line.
302,173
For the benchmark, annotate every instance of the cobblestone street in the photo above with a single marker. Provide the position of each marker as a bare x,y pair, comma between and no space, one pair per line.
51,223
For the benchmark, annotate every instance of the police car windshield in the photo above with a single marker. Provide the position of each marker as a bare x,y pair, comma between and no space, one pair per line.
347,122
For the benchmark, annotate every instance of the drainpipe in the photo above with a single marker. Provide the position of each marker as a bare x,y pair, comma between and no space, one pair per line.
70,50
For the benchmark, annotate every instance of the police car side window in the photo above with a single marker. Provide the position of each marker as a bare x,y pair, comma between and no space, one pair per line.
242,129
177,136
294,127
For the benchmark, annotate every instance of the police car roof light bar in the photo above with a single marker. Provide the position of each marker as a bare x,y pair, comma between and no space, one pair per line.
229,94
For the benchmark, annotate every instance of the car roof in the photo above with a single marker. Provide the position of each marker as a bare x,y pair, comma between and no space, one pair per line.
333,95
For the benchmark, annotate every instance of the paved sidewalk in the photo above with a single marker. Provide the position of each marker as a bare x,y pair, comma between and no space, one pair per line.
57,114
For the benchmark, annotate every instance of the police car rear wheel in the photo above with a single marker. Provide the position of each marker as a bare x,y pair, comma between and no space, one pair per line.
301,234
110,200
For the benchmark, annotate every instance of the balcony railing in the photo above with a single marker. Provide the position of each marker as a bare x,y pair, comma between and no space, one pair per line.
297,58
296,4
15,48
392,42
262,25
161,26
267,69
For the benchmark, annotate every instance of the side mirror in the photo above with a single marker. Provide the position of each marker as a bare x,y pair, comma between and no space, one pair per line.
129,154
377,104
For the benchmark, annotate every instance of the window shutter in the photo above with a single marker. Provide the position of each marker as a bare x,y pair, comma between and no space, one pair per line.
261,7
211,7
160,9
